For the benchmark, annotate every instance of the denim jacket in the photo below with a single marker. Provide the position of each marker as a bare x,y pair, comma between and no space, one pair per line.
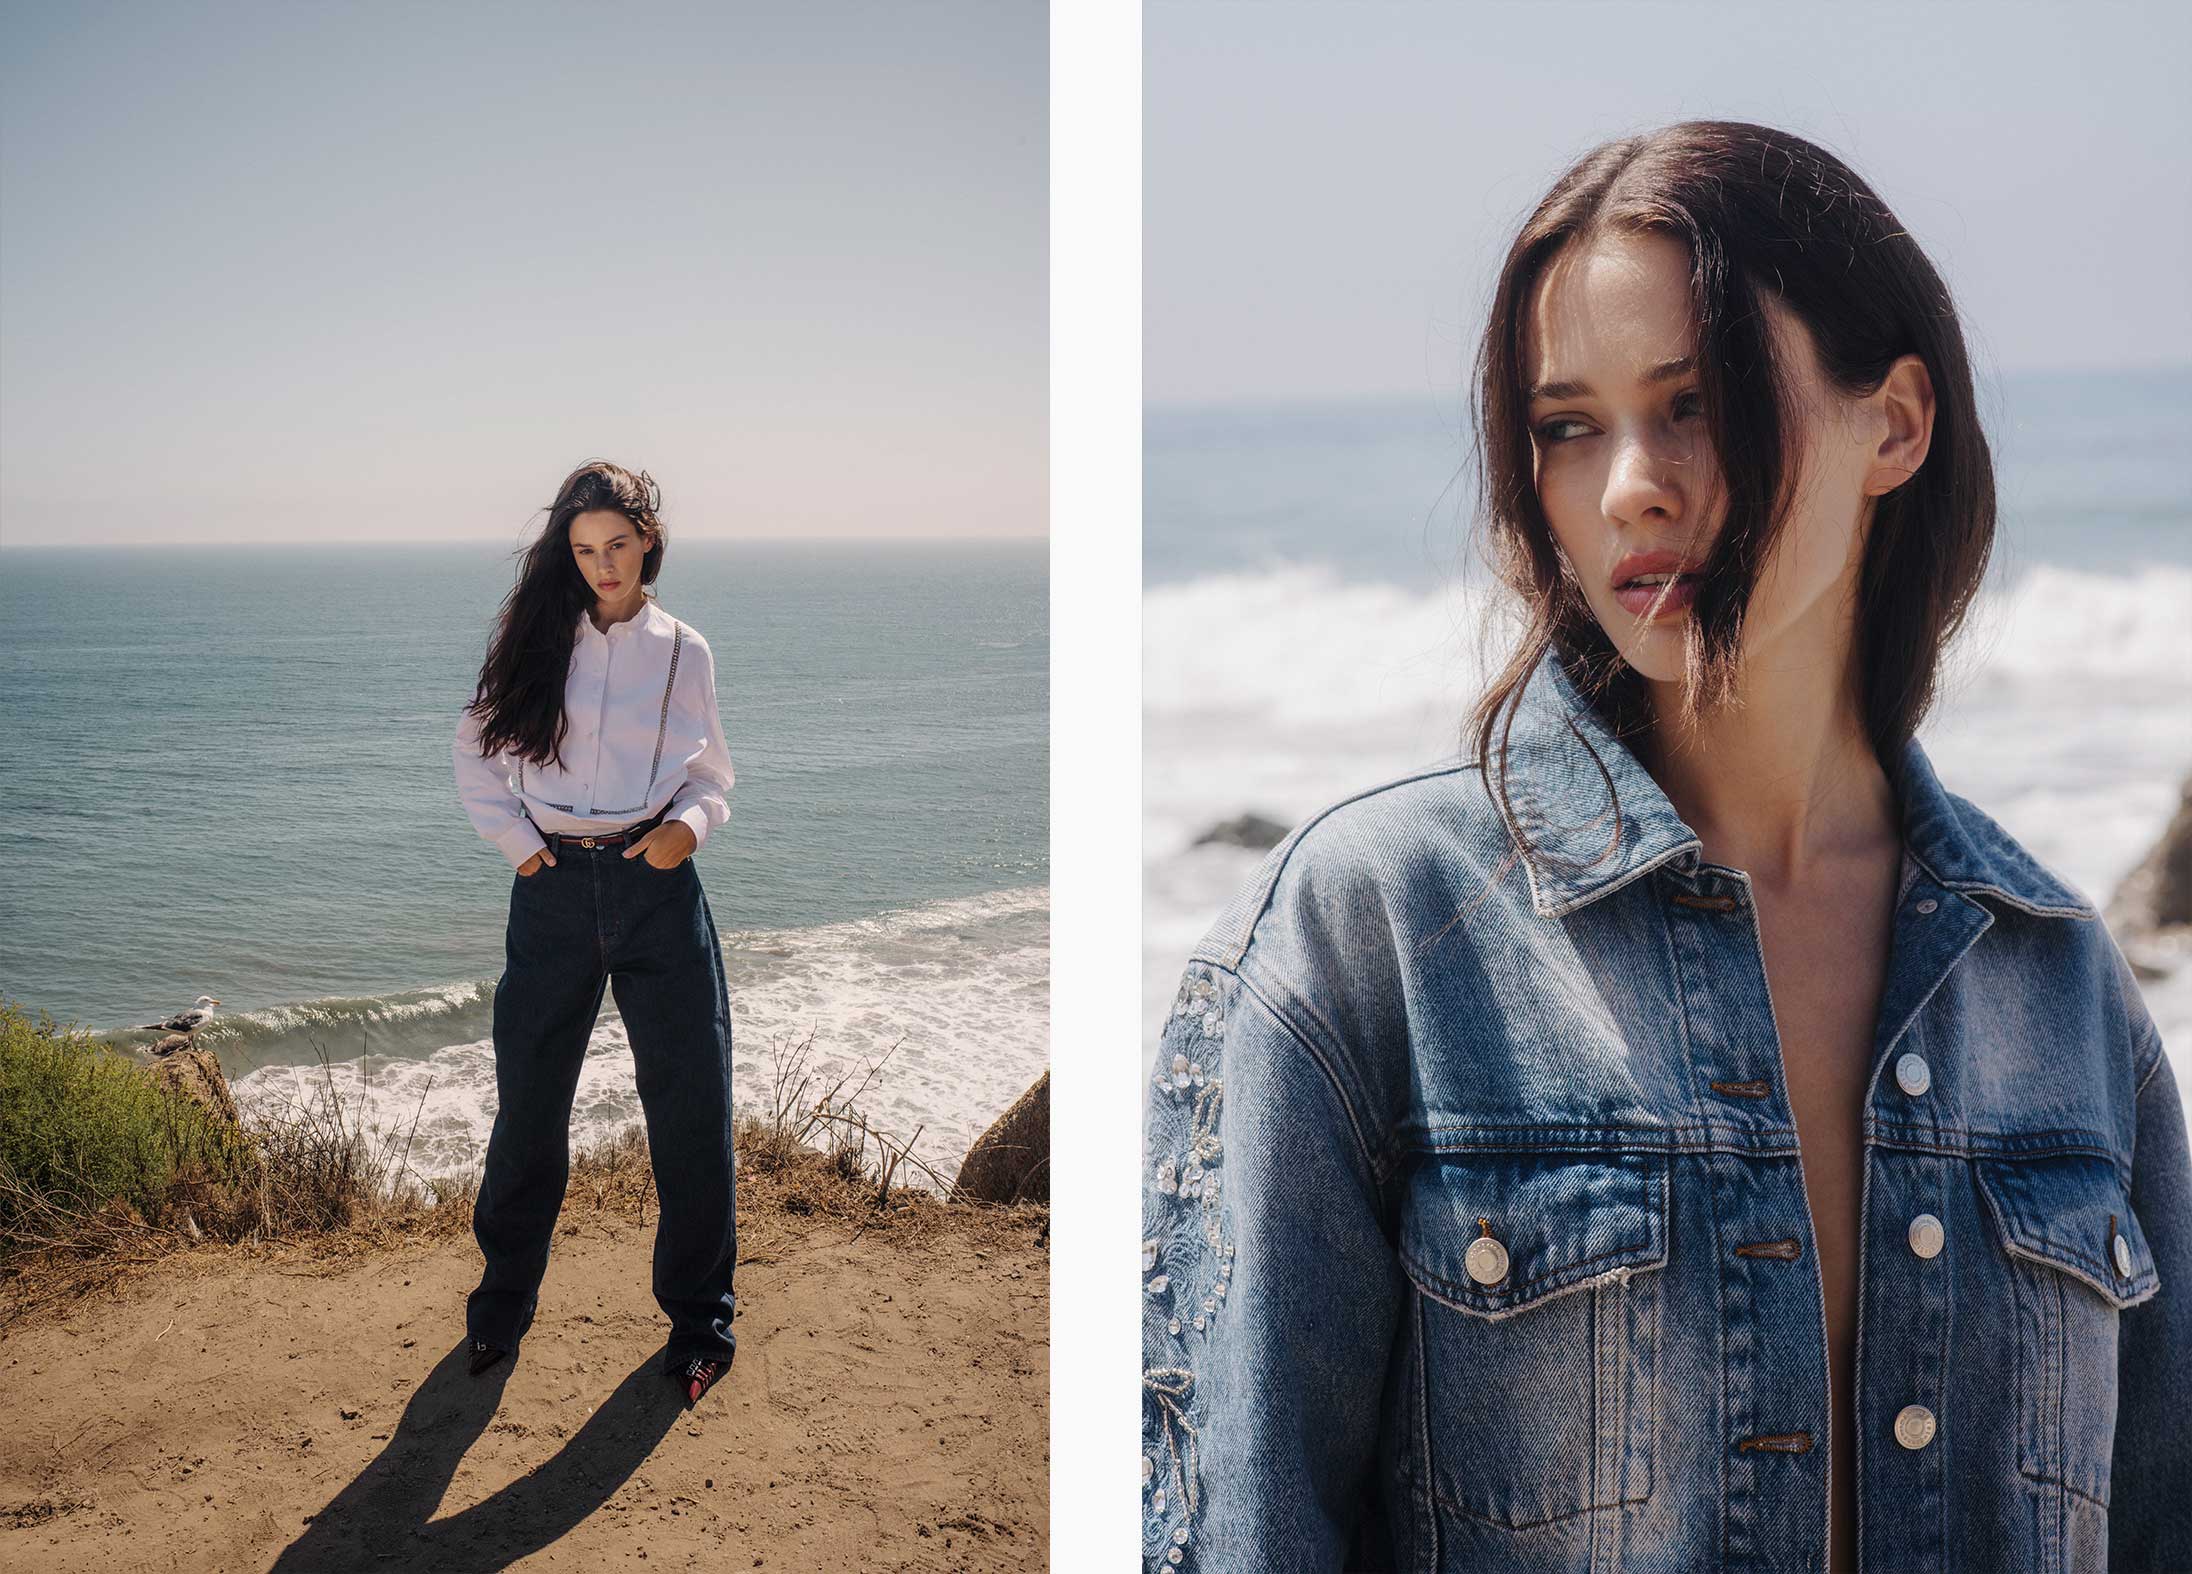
1445,1208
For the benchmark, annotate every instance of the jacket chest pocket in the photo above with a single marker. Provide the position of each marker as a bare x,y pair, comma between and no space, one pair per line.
2077,1260
1535,1324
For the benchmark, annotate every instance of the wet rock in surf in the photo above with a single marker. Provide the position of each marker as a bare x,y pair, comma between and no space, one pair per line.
1252,831
2151,913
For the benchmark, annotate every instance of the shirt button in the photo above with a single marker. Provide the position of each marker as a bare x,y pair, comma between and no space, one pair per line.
2123,1256
1926,1235
1911,1074
1486,1260
1928,905
1914,1426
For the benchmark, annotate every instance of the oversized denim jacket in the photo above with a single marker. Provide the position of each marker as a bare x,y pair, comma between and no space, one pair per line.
1478,1239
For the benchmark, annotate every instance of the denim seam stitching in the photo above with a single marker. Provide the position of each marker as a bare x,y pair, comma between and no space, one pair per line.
1374,1171
2068,1486
1682,1012
2152,1066
1965,888
1439,1288
1423,1423
1285,853
2013,1245
1451,1506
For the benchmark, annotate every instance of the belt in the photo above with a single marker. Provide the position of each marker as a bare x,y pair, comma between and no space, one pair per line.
557,840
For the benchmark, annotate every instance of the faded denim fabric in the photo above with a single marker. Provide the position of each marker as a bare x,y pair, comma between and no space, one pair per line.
1478,1240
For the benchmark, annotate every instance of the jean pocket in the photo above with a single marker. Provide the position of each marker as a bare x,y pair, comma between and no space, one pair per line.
1535,1324
2077,1260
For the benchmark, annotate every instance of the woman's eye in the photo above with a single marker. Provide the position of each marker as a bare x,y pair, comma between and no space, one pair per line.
1691,403
1552,431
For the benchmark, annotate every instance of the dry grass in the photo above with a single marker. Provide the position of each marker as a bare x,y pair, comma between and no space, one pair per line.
320,1188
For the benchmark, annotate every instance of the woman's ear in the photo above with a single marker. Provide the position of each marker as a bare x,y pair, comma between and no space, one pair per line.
1903,406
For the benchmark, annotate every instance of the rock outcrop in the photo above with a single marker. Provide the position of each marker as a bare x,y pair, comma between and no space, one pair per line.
196,1074
1252,831
1010,1162
2151,913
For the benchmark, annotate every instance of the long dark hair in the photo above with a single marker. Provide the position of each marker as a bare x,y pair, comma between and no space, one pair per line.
519,699
1762,214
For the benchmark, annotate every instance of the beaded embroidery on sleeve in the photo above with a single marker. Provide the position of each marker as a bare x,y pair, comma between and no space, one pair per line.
1187,1260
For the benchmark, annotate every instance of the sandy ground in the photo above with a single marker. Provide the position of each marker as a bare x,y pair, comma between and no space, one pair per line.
231,1409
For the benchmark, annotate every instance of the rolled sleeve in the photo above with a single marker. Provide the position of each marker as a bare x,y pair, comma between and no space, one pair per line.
703,802
483,786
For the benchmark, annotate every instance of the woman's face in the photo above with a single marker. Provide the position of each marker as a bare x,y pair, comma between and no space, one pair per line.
1627,475
609,549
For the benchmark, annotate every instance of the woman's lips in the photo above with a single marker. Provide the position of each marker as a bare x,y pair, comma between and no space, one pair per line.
610,584
1637,600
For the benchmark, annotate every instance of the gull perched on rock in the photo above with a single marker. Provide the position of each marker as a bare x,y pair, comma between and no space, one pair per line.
184,1021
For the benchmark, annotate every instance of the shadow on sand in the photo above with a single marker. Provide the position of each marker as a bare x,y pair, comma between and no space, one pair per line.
381,1520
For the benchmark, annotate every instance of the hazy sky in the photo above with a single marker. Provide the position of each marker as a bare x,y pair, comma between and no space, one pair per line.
1328,187
387,270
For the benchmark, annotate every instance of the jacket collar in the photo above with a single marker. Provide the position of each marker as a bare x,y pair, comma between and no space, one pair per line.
1558,798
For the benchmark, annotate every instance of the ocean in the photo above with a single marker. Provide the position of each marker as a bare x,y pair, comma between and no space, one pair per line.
228,771
1314,622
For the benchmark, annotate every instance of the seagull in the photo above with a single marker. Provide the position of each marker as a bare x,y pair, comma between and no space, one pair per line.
184,1021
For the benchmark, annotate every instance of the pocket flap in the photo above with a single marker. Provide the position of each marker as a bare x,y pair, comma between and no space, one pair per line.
2059,1209
1563,1219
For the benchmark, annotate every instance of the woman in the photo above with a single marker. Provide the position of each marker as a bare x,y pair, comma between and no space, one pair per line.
592,756
1682,1135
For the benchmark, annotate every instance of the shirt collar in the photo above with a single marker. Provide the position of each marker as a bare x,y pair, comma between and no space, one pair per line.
648,616
1558,801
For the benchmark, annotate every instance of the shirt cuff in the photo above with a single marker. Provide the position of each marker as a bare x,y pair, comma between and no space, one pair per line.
519,843
695,818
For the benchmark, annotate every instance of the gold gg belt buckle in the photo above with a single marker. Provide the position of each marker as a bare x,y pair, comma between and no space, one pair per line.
586,841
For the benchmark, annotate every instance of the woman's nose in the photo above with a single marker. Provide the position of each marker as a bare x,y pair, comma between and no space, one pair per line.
1639,485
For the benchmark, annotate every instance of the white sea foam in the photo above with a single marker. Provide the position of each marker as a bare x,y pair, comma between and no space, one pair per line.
2067,715
961,988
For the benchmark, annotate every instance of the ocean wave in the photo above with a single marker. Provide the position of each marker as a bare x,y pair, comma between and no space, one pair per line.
1297,646
2063,713
955,993
341,1012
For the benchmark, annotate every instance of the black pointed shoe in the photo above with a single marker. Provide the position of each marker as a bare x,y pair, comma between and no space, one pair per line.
485,1355
699,1375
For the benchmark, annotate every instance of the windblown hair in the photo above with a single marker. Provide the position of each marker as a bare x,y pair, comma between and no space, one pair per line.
519,698
1762,214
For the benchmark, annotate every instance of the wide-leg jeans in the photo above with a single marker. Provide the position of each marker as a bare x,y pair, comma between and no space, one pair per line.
591,919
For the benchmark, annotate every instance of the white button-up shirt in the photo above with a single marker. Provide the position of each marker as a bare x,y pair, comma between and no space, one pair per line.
643,732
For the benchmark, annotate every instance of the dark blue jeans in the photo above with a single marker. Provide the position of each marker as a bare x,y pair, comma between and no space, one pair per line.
593,918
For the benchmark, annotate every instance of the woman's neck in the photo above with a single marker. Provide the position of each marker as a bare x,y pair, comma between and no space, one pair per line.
1782,783
604,615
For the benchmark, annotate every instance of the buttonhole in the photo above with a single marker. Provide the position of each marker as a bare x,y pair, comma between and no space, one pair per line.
1743,1090
1711,904
1787,1249
1779,1442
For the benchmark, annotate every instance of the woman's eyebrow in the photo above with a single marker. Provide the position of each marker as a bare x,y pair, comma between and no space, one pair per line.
1576,388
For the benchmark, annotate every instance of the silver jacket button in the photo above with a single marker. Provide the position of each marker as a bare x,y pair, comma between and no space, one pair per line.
1914,1426
1486,1258
1911,1074
1926,1235
2123,1256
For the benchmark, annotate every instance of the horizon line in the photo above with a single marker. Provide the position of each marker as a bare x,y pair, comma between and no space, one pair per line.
1166,404
378,541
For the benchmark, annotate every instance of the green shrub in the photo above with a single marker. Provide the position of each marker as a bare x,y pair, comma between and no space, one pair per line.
82,1124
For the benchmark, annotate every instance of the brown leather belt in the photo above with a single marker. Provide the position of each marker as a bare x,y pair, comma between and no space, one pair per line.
558,840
